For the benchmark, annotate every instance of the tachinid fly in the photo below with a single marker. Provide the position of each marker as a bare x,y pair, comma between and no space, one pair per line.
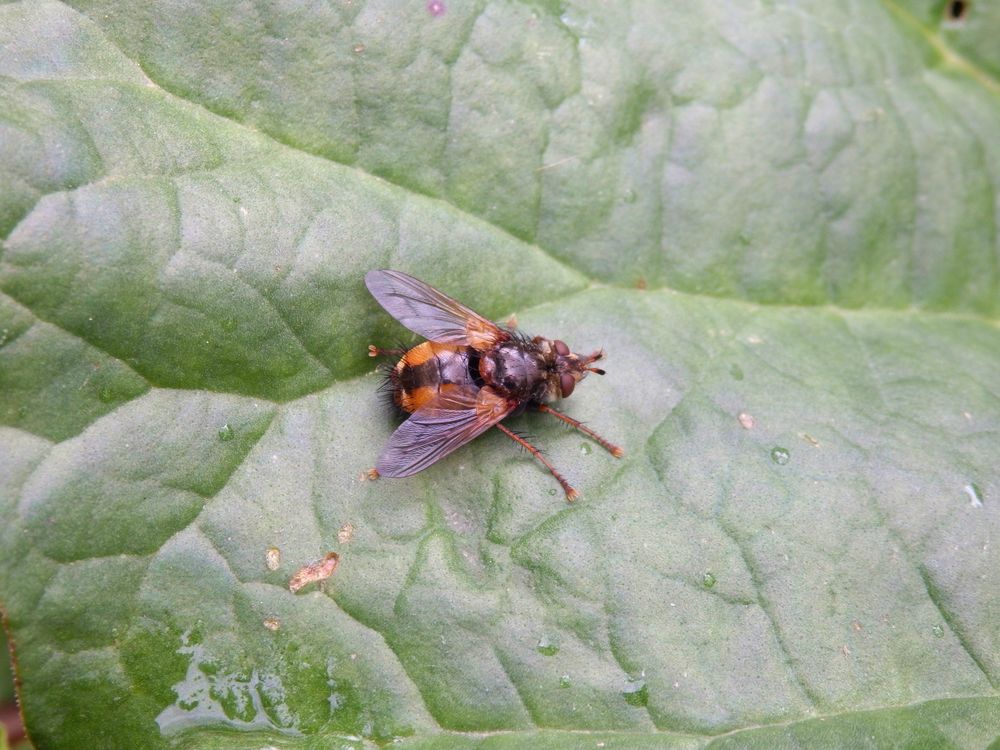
469,376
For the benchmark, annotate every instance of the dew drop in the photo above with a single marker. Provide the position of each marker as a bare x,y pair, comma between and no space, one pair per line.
229,325
585,449
564,681
708,580
629,196
106,395
635,693
975,496
226,433
780,456
736,371
938,631
546,647
552,492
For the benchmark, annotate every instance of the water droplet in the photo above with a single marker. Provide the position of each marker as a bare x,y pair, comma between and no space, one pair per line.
938,631
552,492
780,456
359,48
975,496
564,681
546,647
635,693
229,325
585,449
736,371
629,196
708,580
106,395
226,433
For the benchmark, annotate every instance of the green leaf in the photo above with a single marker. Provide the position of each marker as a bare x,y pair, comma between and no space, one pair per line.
781,222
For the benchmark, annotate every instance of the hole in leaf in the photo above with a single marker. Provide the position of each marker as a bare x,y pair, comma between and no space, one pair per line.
957,10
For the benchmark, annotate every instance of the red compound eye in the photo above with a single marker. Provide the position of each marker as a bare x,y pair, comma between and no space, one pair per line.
561,349
567,383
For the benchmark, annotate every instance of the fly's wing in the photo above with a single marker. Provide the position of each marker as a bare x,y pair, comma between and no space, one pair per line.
435,316
434,430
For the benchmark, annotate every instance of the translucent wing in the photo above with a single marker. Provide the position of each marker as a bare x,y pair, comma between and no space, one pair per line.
435,316
433,431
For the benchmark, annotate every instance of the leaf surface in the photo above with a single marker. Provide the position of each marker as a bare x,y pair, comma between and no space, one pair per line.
780,222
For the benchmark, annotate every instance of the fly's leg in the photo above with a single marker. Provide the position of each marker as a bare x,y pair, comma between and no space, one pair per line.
374,351
571,494
611,448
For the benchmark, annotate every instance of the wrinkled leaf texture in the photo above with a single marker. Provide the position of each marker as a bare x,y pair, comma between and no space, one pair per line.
780,219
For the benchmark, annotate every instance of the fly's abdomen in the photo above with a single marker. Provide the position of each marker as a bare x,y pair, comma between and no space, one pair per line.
418,377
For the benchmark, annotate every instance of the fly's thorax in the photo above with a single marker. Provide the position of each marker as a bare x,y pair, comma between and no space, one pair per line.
517,367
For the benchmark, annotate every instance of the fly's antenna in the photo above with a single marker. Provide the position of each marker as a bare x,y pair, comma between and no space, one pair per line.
599,354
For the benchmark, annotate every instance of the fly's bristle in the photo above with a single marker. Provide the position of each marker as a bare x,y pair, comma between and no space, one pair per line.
528,438
389,378
389,388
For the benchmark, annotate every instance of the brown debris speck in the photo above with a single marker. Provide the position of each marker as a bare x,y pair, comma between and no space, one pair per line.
272,558
319,570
